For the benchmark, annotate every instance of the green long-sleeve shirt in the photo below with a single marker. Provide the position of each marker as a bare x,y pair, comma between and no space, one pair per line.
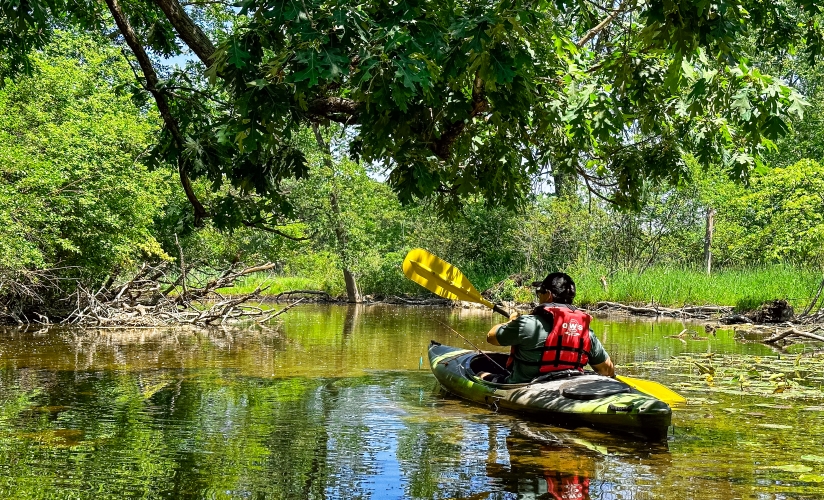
528,333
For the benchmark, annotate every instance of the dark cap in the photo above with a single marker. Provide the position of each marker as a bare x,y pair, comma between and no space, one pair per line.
561,286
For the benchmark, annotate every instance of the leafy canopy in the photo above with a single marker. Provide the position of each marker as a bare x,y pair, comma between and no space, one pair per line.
456,98
72,191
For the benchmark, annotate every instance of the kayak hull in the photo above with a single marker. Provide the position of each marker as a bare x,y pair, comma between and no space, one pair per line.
571,399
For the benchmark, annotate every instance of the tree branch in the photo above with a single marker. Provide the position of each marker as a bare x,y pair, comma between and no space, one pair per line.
152,82
272,230
443,146
337,109
603,24
187,30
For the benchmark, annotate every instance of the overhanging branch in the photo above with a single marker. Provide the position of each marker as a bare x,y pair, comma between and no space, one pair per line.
269,229
443,146
187,30
163,108
603,24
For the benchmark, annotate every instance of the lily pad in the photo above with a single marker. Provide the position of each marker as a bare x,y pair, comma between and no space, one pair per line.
793,468
813,458
811,478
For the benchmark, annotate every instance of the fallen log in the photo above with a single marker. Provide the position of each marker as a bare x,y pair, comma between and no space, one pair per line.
790,332
417,302
697,312
303,292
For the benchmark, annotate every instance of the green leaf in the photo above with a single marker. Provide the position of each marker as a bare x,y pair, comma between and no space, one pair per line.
236,56
775,128
311,70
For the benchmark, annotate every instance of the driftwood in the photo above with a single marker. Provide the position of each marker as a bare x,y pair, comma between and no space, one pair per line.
784,333
693,312
792,331
160,295
735,319
773,311
811,319
303,292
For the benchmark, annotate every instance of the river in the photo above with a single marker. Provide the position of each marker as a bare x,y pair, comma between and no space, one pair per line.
338,402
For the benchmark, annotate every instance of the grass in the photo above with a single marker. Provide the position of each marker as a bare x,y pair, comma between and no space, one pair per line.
668,286
276,284
744,288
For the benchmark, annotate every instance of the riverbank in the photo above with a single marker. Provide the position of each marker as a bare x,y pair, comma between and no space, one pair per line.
743,290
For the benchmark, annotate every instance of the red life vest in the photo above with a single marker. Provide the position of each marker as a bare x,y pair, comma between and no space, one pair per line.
567,487
568,345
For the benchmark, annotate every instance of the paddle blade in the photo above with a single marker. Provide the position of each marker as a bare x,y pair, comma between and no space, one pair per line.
654,389
440,277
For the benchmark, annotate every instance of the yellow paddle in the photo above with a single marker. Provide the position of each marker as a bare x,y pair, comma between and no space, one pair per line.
442,278
654,389
446,280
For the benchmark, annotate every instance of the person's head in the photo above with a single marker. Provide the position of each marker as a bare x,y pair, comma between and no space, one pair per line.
556,287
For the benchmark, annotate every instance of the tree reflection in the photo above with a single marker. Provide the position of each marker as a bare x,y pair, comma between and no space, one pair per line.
188,423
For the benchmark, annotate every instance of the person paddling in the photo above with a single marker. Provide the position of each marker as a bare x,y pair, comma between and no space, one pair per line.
556,336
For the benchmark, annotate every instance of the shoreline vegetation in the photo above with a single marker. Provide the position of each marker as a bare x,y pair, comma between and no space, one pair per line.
741,290
167,295
86,199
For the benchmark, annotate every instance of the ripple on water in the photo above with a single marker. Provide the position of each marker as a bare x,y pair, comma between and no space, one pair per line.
333,405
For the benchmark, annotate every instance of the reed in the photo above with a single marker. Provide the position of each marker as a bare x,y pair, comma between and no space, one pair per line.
272,284
664,285
670,286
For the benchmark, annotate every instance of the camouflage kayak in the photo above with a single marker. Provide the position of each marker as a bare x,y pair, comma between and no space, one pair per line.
567,398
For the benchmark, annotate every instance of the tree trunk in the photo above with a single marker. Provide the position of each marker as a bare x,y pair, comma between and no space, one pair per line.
708,240
352,294
564,182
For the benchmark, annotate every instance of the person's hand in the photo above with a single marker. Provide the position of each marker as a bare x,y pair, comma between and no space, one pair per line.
515,315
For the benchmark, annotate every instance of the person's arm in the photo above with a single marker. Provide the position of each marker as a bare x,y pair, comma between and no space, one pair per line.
605,368
599,359
492,335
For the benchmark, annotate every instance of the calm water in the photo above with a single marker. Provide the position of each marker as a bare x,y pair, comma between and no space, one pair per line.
339,403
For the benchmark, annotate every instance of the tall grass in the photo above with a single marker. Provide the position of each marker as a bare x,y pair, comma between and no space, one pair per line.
273,284
667,286
743,288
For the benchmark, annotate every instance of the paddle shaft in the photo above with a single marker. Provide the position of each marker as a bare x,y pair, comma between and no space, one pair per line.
476,348
500,310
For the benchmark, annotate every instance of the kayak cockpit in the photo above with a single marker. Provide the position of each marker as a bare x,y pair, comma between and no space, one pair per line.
478,364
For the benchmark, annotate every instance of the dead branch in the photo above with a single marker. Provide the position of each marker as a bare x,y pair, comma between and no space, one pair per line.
811,306
695,312
152,298
792,331
305,292
293,304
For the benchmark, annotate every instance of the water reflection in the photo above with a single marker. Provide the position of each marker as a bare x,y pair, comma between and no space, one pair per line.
331,404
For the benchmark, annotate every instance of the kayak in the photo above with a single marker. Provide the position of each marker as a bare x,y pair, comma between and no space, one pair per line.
569,398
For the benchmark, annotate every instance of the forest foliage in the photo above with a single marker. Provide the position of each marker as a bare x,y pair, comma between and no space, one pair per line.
455,100
74,195
83,200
